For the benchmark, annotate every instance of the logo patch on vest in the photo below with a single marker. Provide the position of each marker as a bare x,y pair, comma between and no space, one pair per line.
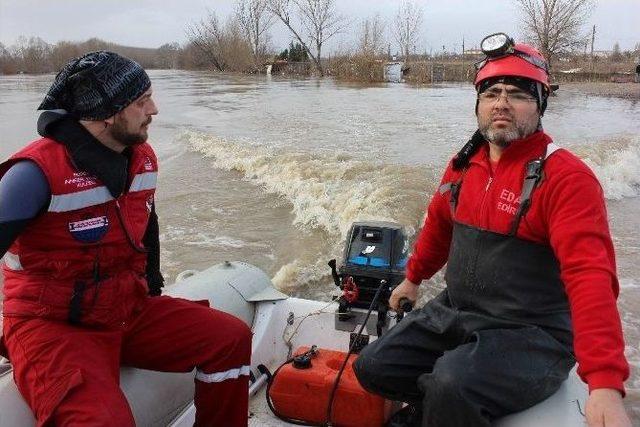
89,230
81,180
149,203
148,166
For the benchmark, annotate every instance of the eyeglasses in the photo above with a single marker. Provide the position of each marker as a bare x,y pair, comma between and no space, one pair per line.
515,97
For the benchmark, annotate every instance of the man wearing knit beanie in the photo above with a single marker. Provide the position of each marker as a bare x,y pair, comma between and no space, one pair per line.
82,281
96,86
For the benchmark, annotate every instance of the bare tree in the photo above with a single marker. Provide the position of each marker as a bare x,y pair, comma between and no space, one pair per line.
206,35
32,54
371,39
236,50
255,20
223,46
317,18
555,26
191,57
62,52
7,61
407,26
167,55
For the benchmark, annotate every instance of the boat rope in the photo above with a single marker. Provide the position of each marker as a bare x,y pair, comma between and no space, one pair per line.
287,341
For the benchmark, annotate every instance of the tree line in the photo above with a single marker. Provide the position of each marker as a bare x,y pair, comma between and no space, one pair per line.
242,42
558,28
34,55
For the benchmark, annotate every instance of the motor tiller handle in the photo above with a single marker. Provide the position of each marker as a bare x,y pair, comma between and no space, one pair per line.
405,306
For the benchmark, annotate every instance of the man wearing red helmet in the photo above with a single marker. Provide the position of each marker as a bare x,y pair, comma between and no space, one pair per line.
531,276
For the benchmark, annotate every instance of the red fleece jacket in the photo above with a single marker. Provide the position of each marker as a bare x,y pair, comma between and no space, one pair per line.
567,213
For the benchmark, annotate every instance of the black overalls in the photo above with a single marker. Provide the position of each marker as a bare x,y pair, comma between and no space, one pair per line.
497,340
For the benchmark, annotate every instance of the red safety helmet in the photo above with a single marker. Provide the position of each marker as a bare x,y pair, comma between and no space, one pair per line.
518,60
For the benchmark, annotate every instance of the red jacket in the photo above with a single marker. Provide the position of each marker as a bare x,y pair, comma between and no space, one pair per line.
81,238
568,213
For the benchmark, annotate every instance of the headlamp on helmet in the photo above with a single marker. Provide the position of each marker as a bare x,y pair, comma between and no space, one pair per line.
506,58
498,44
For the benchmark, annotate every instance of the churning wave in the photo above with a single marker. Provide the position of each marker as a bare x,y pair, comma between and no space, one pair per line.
616,163
328,191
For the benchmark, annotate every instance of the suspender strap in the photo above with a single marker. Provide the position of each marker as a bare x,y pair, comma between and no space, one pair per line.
445,187
455,192
461,160
454,187
532,178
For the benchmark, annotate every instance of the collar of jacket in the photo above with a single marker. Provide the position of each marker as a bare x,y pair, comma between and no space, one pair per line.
87,153
525,149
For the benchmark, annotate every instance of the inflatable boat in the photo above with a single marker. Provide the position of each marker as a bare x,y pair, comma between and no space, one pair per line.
281,326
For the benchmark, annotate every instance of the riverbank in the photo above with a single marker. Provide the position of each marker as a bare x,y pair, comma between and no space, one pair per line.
629,91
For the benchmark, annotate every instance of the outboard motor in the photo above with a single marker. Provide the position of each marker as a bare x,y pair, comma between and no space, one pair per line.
375,255
373,264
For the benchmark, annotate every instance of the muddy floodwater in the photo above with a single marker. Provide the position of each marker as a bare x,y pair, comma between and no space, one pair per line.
273,171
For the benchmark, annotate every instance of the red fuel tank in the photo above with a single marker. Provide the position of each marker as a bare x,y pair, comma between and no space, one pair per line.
303,394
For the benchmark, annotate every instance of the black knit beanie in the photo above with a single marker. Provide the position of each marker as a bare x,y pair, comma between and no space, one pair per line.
96,86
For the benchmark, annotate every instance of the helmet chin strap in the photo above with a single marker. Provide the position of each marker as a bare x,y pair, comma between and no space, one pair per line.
542,99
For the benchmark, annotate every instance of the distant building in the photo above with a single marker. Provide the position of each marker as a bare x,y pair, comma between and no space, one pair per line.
393,72
602,53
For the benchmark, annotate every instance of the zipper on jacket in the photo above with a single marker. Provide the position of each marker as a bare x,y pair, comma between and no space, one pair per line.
488,184
484,198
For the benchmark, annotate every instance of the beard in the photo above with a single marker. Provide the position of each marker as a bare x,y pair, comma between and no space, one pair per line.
517,129
121,133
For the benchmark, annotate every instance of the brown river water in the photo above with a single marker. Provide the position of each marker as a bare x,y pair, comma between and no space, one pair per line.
273,171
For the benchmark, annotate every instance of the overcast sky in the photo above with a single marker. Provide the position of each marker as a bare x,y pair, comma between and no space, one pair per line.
151,23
